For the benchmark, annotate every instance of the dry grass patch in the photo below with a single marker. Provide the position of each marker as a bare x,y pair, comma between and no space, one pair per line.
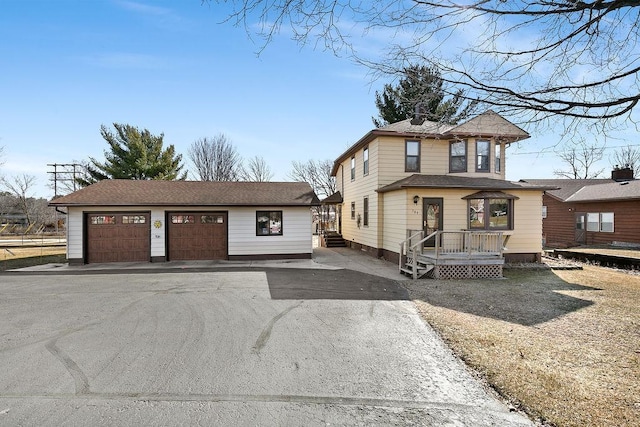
563,345
20,257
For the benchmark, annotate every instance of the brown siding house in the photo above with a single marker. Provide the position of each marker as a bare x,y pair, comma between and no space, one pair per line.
590,211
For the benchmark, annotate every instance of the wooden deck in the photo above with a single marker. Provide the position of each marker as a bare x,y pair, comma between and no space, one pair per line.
455,255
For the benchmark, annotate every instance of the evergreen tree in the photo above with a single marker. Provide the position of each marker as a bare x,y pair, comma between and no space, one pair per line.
423,87
133,154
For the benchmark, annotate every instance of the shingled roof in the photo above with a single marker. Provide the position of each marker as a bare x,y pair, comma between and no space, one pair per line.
452,181
486,125
124,192
565,188
626,190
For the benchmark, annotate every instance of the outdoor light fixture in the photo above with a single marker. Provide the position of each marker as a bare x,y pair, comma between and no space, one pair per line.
415,200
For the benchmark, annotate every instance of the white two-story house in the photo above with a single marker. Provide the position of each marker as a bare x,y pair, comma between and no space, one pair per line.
440,188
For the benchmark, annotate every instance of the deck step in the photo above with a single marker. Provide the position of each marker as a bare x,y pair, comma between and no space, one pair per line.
421,267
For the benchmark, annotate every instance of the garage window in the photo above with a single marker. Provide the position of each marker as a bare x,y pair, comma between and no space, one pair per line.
269,223
183,219
103,219
134,219
212,219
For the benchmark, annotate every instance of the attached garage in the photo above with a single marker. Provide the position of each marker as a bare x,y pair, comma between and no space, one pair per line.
118,237
197,235
156,221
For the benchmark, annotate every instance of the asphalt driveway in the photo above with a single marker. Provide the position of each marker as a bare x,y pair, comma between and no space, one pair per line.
274,347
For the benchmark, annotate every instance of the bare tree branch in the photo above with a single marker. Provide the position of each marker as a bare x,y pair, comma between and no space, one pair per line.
20,187
549,58
256,170
317,173
215,159
628,156
580,159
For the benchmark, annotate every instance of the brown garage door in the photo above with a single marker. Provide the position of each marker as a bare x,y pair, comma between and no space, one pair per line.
197,235
118,237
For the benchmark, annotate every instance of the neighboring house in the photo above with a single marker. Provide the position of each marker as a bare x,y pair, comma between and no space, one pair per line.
137,220
591,211
419,176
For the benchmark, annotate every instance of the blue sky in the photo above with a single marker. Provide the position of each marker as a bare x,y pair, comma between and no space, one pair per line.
69,66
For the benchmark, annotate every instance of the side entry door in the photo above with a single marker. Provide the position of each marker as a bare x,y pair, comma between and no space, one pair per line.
581,227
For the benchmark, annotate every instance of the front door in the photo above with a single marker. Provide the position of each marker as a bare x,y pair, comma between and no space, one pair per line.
431,219
581,228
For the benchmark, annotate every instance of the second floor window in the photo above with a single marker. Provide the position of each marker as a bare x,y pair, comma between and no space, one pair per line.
365,161
498,157
353,168
458,156
482,155
412,156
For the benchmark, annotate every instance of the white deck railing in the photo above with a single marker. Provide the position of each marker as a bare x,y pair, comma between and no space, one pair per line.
451,244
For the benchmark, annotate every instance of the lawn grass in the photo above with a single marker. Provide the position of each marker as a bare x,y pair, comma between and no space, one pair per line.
21,257
563,345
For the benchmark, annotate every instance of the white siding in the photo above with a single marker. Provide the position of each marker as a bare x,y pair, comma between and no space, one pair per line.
296,232
242,237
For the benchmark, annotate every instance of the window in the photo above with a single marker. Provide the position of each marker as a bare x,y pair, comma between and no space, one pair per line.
593,221
544,212
353,210
365,212
412,156
602,222
498,151
490,214
134,219
353,168
482,155
212,219
183,219
458,156
103,219
269,223
606,222
365,162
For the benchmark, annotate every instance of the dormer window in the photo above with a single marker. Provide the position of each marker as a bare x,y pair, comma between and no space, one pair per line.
412,156
458,156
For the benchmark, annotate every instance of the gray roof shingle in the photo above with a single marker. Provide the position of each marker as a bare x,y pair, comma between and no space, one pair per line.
625,190
451,181
123,192
565,188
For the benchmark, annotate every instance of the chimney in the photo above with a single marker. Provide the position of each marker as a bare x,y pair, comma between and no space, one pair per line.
417,120
622,174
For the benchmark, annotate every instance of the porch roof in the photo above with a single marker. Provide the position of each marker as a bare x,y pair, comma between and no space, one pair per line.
451,181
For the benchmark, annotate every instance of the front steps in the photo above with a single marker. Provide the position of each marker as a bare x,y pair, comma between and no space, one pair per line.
333,240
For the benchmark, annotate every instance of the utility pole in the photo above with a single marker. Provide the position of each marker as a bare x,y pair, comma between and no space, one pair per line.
65,174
